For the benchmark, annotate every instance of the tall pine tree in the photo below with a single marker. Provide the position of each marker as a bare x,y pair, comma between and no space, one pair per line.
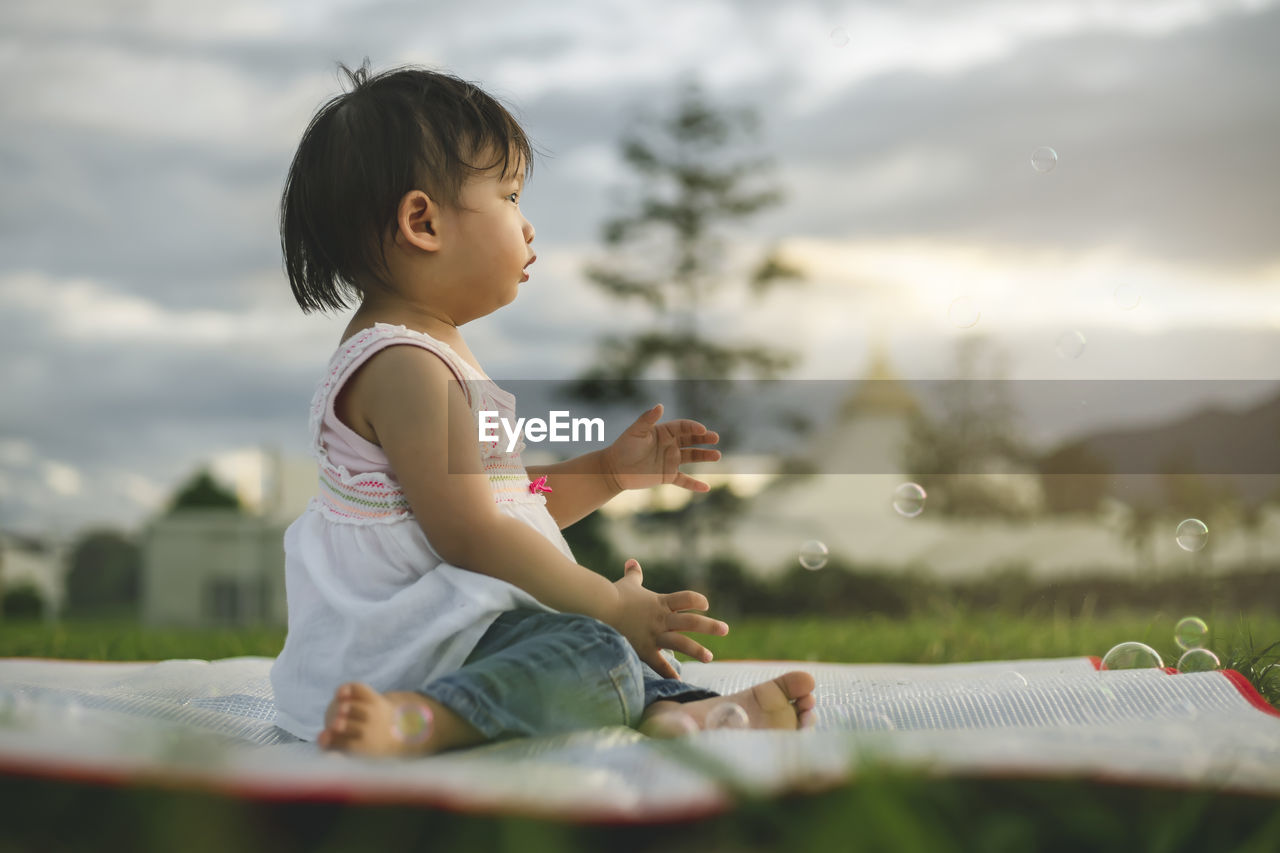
673,252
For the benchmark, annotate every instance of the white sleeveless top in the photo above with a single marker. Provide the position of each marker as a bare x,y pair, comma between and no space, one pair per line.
369,599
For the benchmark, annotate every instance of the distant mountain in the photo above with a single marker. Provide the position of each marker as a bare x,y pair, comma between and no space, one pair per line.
1221,447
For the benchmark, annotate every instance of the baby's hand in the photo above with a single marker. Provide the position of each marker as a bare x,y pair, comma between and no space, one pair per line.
649,453
653,621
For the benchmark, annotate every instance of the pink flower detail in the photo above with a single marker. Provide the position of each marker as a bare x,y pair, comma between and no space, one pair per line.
539,485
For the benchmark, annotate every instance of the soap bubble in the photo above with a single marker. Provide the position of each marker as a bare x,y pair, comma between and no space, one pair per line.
1198,660
1190,632
813,555
1192,534
908,499
412,723
840,37
963,312
1043,159
728,715
1127,296
1070,344
1132,656
1012,678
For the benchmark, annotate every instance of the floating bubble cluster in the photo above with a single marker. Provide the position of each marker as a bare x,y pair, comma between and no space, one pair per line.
1070,344
813,555
1192,534
1190,632
1043,159
1198,660
908,499
728,715
1132,656
412,723
1127,296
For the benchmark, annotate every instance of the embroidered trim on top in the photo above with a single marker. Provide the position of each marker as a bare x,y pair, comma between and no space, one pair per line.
376,498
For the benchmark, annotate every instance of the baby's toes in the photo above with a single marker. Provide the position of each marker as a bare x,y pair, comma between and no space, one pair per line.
353,712
805,703
360,694
332,739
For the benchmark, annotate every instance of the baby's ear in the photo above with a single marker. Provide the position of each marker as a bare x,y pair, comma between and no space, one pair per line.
415,221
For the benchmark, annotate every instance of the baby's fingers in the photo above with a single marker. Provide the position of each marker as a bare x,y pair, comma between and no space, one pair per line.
686,599
684,645
658,661
686,622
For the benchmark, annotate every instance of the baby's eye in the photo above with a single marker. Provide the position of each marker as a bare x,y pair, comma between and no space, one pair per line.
515,198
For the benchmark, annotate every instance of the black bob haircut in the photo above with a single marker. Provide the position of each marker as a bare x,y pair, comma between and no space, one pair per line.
403,129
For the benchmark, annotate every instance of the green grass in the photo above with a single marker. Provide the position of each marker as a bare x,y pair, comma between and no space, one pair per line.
943,637
126,640
883,809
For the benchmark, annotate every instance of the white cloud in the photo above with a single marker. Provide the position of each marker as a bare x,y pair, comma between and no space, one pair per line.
16,452
190,20
84,311
242,470
62,478
597,164
105,87
143,491
860,291
732,46
936,38
75,64
910,173
919,279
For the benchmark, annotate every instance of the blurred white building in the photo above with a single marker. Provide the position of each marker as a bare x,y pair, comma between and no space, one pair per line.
220,567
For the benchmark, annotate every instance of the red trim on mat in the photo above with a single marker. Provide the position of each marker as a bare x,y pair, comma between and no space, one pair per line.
1249,692
286,792
1096,661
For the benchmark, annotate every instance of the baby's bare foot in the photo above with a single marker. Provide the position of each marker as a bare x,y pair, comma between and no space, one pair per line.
362,721
785,702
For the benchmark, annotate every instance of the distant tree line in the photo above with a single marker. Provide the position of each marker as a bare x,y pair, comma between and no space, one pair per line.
104,571
842,588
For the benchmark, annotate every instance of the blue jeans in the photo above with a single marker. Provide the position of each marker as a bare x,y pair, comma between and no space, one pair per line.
537,673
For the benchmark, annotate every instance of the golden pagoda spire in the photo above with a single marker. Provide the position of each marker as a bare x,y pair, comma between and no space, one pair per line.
881,391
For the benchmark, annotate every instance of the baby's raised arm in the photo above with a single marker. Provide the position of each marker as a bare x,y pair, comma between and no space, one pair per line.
425,427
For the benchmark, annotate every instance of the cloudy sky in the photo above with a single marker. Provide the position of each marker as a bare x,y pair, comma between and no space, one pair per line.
146,327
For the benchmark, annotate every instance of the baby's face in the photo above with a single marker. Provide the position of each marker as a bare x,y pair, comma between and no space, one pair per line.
489,242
